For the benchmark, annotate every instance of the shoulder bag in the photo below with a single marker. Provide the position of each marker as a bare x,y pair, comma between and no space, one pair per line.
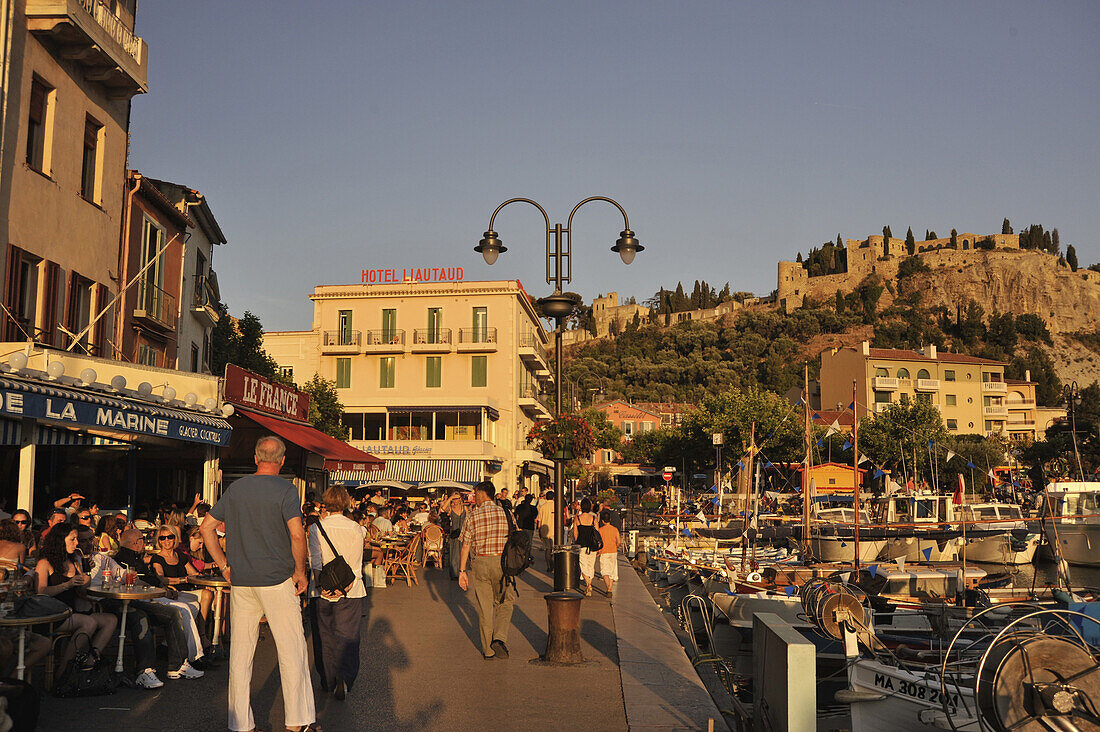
336,575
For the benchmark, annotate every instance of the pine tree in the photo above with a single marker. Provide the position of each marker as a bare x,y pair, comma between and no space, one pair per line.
839,302
798,259
931,235
839,244
1055,240
910,243
886,233
926,237
954,239
1071,257
1048,245
679,299
1006,228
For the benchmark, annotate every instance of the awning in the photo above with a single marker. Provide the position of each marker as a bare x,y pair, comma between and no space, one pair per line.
338,455
419,471
493,414
75,408
533,467
11,433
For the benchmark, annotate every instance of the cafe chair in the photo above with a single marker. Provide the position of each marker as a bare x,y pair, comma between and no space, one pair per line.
404,564
433,544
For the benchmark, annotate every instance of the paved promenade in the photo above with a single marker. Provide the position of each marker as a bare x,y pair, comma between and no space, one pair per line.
422,669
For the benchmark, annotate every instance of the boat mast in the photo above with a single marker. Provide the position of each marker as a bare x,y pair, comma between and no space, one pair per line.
806,498
855,470
747,503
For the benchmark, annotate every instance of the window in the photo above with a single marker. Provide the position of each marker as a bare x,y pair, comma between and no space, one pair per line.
479,371
989,425
411,425
434,372
386,368
389,325
458,425
628,429
903,373
949,399
353,423
374,426
882,397
343,373
79,311
21,295
481,325
89,160
150,286
882,372
925,398
949,375
286,372
195,359
435,322
147,355
37,119
923,374
646,427
343,335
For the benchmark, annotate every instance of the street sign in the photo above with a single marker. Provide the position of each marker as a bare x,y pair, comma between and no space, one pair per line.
667,476
717,438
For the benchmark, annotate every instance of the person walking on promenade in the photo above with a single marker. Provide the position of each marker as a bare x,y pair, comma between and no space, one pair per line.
544,524
339,615
266,567
607,558
525,514
484,534
583,527
455,517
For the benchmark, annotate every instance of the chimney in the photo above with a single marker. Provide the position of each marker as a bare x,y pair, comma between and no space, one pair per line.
1027,374
866,348
931,350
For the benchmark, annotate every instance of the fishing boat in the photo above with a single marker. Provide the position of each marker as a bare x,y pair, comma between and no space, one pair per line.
1000,535
1073,522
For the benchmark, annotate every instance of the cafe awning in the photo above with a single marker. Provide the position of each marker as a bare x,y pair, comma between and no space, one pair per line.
338,455
11,433
419,471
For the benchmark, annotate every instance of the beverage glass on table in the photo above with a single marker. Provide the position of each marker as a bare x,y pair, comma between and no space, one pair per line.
131,578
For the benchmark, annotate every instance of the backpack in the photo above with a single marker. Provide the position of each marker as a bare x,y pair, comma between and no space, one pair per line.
589,537
516,556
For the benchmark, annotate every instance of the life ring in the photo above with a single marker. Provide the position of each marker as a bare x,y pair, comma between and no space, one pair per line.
754,577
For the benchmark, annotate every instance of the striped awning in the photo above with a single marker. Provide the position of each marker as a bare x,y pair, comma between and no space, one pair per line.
418,471
11,433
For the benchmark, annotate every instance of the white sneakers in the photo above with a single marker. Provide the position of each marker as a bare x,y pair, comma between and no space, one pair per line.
186,671
149,680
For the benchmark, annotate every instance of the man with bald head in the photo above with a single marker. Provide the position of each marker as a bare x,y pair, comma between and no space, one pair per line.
265,562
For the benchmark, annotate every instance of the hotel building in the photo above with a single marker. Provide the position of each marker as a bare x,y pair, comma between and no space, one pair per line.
442,380
971,393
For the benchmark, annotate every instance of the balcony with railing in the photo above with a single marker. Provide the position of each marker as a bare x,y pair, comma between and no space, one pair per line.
1021,404
994,386
472,340
154,307
386,340
204,303
432,340
881,407
88,34
534,401
995,410
532,352
884,383
341,341
927,385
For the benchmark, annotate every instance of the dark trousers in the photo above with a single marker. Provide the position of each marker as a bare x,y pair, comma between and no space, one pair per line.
315,631
338,623
139,632
166,617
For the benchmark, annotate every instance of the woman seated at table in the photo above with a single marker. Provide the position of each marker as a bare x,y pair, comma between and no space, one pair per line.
107,531
172,569
28,536
12,550
59,575
401,521
194,553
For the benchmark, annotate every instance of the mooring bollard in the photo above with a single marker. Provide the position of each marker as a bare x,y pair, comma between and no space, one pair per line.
563,641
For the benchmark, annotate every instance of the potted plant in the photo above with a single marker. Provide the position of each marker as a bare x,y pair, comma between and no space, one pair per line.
565,438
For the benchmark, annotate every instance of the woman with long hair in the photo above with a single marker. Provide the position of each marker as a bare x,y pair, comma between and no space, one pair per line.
23,520
59,575
12,551
584,526
107,531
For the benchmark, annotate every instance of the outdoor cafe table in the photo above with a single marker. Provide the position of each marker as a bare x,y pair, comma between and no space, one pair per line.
219,585
11,621
139,591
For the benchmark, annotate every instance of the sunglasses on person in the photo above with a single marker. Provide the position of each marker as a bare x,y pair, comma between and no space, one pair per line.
84,517
20,523
166,537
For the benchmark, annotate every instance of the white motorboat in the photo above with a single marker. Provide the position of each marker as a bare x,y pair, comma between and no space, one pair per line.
1013,545
1075,528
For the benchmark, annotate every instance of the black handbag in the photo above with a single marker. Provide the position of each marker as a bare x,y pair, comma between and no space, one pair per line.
336,574
589,537
81,677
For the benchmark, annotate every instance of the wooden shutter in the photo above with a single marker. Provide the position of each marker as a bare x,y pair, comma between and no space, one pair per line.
11,294
99,342
38,102
49,312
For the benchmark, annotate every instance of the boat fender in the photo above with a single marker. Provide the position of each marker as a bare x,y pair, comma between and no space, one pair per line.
855,696
754,577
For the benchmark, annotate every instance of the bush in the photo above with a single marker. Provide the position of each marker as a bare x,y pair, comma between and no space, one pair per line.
911,266
988,244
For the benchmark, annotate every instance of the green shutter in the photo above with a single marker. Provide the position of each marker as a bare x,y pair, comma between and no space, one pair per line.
386,372
479,369
343,373
434,371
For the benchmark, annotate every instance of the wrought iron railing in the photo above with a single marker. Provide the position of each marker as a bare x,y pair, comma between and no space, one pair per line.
114,26
155,304
477,335
431,336
385,337
342,338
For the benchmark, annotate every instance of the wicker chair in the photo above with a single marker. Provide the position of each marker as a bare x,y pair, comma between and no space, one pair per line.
404,564
433,544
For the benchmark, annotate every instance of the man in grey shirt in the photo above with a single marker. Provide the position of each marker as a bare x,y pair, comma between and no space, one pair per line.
266,566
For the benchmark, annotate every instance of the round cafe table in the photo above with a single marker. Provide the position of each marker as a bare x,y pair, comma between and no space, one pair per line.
219,585
140,591
22,624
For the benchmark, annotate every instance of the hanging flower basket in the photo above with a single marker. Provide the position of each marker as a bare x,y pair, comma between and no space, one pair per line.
565,438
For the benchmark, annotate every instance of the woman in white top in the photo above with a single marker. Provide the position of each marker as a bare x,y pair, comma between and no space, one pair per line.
339,614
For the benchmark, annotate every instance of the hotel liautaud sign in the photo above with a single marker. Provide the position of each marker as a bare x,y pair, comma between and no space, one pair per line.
412,274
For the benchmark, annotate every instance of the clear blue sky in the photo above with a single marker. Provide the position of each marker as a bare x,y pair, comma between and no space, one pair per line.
335,136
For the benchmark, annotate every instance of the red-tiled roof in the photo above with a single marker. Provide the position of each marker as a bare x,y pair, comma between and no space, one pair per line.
946,357
826,417
1019,382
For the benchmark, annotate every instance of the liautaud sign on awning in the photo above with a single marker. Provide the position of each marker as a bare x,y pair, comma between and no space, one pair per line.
65,406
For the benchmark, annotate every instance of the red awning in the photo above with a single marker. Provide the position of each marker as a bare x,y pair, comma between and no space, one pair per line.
338,455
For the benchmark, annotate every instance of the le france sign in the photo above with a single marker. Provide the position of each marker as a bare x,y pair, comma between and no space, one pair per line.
247,389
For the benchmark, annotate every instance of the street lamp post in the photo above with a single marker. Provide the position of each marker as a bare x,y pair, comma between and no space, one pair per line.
558,305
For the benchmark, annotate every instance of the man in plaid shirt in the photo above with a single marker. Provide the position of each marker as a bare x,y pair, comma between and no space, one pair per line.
483,536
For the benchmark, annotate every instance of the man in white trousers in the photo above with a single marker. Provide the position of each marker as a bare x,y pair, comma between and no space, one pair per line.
266,567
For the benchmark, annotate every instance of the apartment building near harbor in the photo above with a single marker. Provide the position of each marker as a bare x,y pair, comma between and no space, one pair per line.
971,393
442,380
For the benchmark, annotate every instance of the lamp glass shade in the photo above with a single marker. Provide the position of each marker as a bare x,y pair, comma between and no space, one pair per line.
18,360
490,247
88,376
627,246
118,382
56,369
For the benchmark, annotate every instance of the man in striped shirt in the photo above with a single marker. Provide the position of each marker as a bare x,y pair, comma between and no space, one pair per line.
483,536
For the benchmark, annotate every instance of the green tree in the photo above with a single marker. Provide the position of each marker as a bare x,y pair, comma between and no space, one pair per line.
954,240
1048,387
1071,257
607,435
910,242
325,409
240,342
1006,228
886,233
1032,327
911,266
984,452
901,433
